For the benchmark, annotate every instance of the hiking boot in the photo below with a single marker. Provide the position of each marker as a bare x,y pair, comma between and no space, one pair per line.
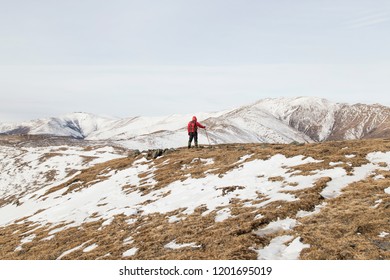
196,145
189,145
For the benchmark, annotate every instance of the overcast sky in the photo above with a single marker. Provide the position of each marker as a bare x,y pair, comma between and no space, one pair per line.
160,57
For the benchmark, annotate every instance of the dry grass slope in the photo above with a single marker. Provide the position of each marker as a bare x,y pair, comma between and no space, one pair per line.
346,228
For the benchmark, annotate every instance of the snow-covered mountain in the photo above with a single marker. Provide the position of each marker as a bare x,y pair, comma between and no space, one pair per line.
280,120
322,120
314,117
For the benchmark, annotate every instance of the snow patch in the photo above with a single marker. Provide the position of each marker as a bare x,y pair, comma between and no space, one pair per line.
107,222
377,203
340,179
71,250
383,234
90,248
28,239
207,161
387,190
25,240
244,158
131,221
378,157
317,209
131,252
277,250
50,237
222,215
174,246
350,156
128,240
174,219
279,225
259,216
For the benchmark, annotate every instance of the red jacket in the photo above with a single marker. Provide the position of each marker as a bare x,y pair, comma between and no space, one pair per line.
193,126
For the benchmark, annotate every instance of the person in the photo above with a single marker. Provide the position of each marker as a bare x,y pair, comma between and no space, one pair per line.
193,131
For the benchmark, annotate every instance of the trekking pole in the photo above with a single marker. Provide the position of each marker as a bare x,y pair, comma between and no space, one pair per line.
207,137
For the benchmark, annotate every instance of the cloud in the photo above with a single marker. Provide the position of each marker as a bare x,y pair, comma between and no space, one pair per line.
36,91
368,20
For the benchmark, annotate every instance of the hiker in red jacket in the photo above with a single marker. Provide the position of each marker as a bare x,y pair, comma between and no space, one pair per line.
193,131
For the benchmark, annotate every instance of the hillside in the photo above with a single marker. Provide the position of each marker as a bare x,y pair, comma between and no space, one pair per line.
74,199
278,120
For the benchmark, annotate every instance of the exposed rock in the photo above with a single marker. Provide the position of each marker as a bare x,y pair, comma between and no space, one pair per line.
134,153
384,245
153,154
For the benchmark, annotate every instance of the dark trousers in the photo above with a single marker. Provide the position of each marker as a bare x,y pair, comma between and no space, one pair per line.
193,135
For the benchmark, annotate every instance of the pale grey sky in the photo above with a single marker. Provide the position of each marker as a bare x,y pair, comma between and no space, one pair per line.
126,57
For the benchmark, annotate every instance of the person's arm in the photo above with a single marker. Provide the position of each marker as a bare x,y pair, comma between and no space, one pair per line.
199,125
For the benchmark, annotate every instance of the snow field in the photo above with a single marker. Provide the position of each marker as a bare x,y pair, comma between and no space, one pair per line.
107,198
45,165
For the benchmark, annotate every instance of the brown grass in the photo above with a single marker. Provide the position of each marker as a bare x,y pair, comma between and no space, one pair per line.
346,228
349,226
92,175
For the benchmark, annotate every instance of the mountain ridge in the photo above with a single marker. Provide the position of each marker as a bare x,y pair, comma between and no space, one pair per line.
271,120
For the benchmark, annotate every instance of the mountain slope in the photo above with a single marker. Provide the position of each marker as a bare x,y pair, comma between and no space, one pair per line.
227,202
361,121
281,120
322,120
314,117
76,125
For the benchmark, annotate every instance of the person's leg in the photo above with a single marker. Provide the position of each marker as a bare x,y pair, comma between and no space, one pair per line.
190,139
196,139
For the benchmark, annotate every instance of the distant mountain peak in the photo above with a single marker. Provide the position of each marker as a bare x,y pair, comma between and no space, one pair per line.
272,120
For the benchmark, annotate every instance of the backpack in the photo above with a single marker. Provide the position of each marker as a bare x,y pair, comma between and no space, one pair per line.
192,126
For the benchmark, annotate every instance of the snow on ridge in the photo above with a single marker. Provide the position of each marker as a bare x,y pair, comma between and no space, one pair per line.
279,106
303,112
252,125
272,120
